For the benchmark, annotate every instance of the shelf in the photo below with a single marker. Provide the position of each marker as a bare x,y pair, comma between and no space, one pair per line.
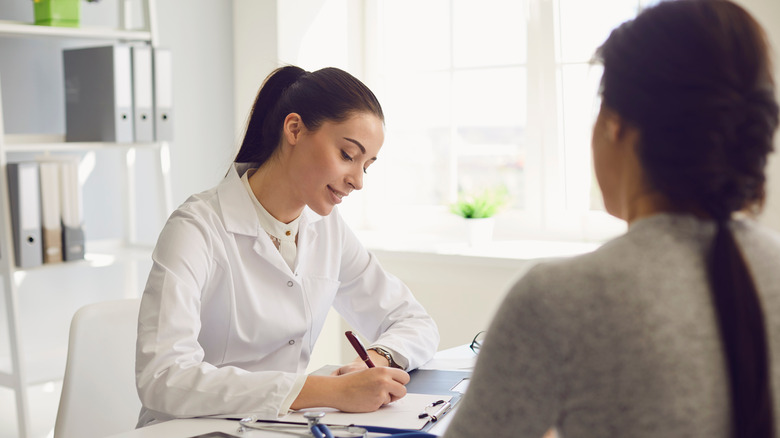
39,302
99,253
54,143
21,29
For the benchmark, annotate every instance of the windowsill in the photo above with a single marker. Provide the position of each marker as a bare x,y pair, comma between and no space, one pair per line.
501,249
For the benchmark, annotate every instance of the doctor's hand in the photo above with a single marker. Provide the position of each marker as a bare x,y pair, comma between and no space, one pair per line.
358,364
362,391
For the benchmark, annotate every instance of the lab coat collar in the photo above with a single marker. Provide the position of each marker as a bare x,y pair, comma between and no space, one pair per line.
238,211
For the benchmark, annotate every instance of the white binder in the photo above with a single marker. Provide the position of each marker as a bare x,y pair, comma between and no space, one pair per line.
72,211
51,219
24,195
163,95
98,94
143,117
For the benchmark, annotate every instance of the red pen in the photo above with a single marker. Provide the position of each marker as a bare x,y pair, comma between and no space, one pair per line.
361,350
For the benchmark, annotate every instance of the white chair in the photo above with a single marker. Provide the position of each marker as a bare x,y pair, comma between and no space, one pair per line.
98,392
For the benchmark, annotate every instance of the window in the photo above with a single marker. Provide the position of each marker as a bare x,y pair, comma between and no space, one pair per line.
487,94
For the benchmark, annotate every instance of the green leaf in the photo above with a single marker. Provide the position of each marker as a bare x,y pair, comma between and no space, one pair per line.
480,204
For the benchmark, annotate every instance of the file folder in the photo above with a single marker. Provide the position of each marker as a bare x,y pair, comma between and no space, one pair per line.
163,95
51,219
98,94
25,202
143,117
72,213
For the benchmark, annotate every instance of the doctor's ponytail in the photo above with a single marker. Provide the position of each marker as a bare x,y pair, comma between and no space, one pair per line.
329,94
260,141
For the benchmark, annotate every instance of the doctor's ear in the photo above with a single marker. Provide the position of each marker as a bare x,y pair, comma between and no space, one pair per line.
292,128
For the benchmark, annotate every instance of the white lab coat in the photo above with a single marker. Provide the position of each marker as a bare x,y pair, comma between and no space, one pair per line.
226,327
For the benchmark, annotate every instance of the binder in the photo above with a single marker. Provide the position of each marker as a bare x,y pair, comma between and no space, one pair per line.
51,218
143,117
98,94
25,202
72,212
163,94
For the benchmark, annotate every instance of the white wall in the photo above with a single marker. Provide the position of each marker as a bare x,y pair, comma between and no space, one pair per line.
461,293
255,53
200,36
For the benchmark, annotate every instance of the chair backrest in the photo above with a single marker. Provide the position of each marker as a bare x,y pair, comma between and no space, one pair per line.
99,395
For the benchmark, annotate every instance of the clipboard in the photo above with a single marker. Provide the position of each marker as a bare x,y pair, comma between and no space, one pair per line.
438,382
450,382
424,387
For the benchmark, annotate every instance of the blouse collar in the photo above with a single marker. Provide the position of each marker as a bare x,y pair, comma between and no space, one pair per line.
271,225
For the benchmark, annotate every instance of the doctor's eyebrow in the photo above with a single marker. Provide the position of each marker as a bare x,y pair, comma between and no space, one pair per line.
362,149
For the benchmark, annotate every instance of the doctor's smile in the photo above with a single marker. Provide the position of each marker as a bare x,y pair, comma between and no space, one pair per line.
337,195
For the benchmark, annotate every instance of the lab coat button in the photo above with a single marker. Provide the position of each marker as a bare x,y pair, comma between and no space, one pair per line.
290,283
292,342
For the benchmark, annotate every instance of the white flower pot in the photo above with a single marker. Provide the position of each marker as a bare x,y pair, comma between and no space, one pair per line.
479,231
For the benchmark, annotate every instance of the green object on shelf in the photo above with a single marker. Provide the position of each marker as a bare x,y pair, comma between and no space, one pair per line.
57,13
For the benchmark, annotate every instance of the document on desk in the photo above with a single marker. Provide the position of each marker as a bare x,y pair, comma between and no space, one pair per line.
402,414
426,387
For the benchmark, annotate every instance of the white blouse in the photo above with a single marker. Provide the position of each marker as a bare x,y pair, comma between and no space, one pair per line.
284,236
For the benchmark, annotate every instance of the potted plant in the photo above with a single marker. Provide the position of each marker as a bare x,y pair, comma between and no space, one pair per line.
478,209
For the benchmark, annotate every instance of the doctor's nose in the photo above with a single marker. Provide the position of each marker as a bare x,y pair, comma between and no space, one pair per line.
355,180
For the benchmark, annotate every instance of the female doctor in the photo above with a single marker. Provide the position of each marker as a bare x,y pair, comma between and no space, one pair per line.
244,274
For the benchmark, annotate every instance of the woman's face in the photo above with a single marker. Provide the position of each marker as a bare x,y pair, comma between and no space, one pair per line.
329,163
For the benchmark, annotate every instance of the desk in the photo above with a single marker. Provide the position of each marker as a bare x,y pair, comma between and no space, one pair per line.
457,358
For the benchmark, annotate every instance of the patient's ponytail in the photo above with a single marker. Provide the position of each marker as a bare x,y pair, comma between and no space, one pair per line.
695,78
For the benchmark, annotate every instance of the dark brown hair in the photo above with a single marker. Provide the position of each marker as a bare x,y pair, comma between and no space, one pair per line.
694,76
329,94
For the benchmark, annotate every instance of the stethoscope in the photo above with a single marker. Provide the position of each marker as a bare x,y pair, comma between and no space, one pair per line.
319,430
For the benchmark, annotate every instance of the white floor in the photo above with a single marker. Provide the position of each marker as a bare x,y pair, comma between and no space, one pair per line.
43,401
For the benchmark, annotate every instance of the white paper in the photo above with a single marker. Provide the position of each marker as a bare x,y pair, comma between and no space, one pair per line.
402,414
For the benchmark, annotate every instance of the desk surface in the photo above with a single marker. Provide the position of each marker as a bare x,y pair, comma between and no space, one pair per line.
457,358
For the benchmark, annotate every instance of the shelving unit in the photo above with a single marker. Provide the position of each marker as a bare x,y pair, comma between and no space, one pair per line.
21,373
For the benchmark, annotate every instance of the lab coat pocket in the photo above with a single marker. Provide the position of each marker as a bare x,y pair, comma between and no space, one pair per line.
319,293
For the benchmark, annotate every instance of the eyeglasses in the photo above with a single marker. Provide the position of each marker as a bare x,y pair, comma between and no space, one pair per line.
476,343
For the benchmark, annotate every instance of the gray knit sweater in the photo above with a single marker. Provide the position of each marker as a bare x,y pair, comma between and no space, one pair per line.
621,342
